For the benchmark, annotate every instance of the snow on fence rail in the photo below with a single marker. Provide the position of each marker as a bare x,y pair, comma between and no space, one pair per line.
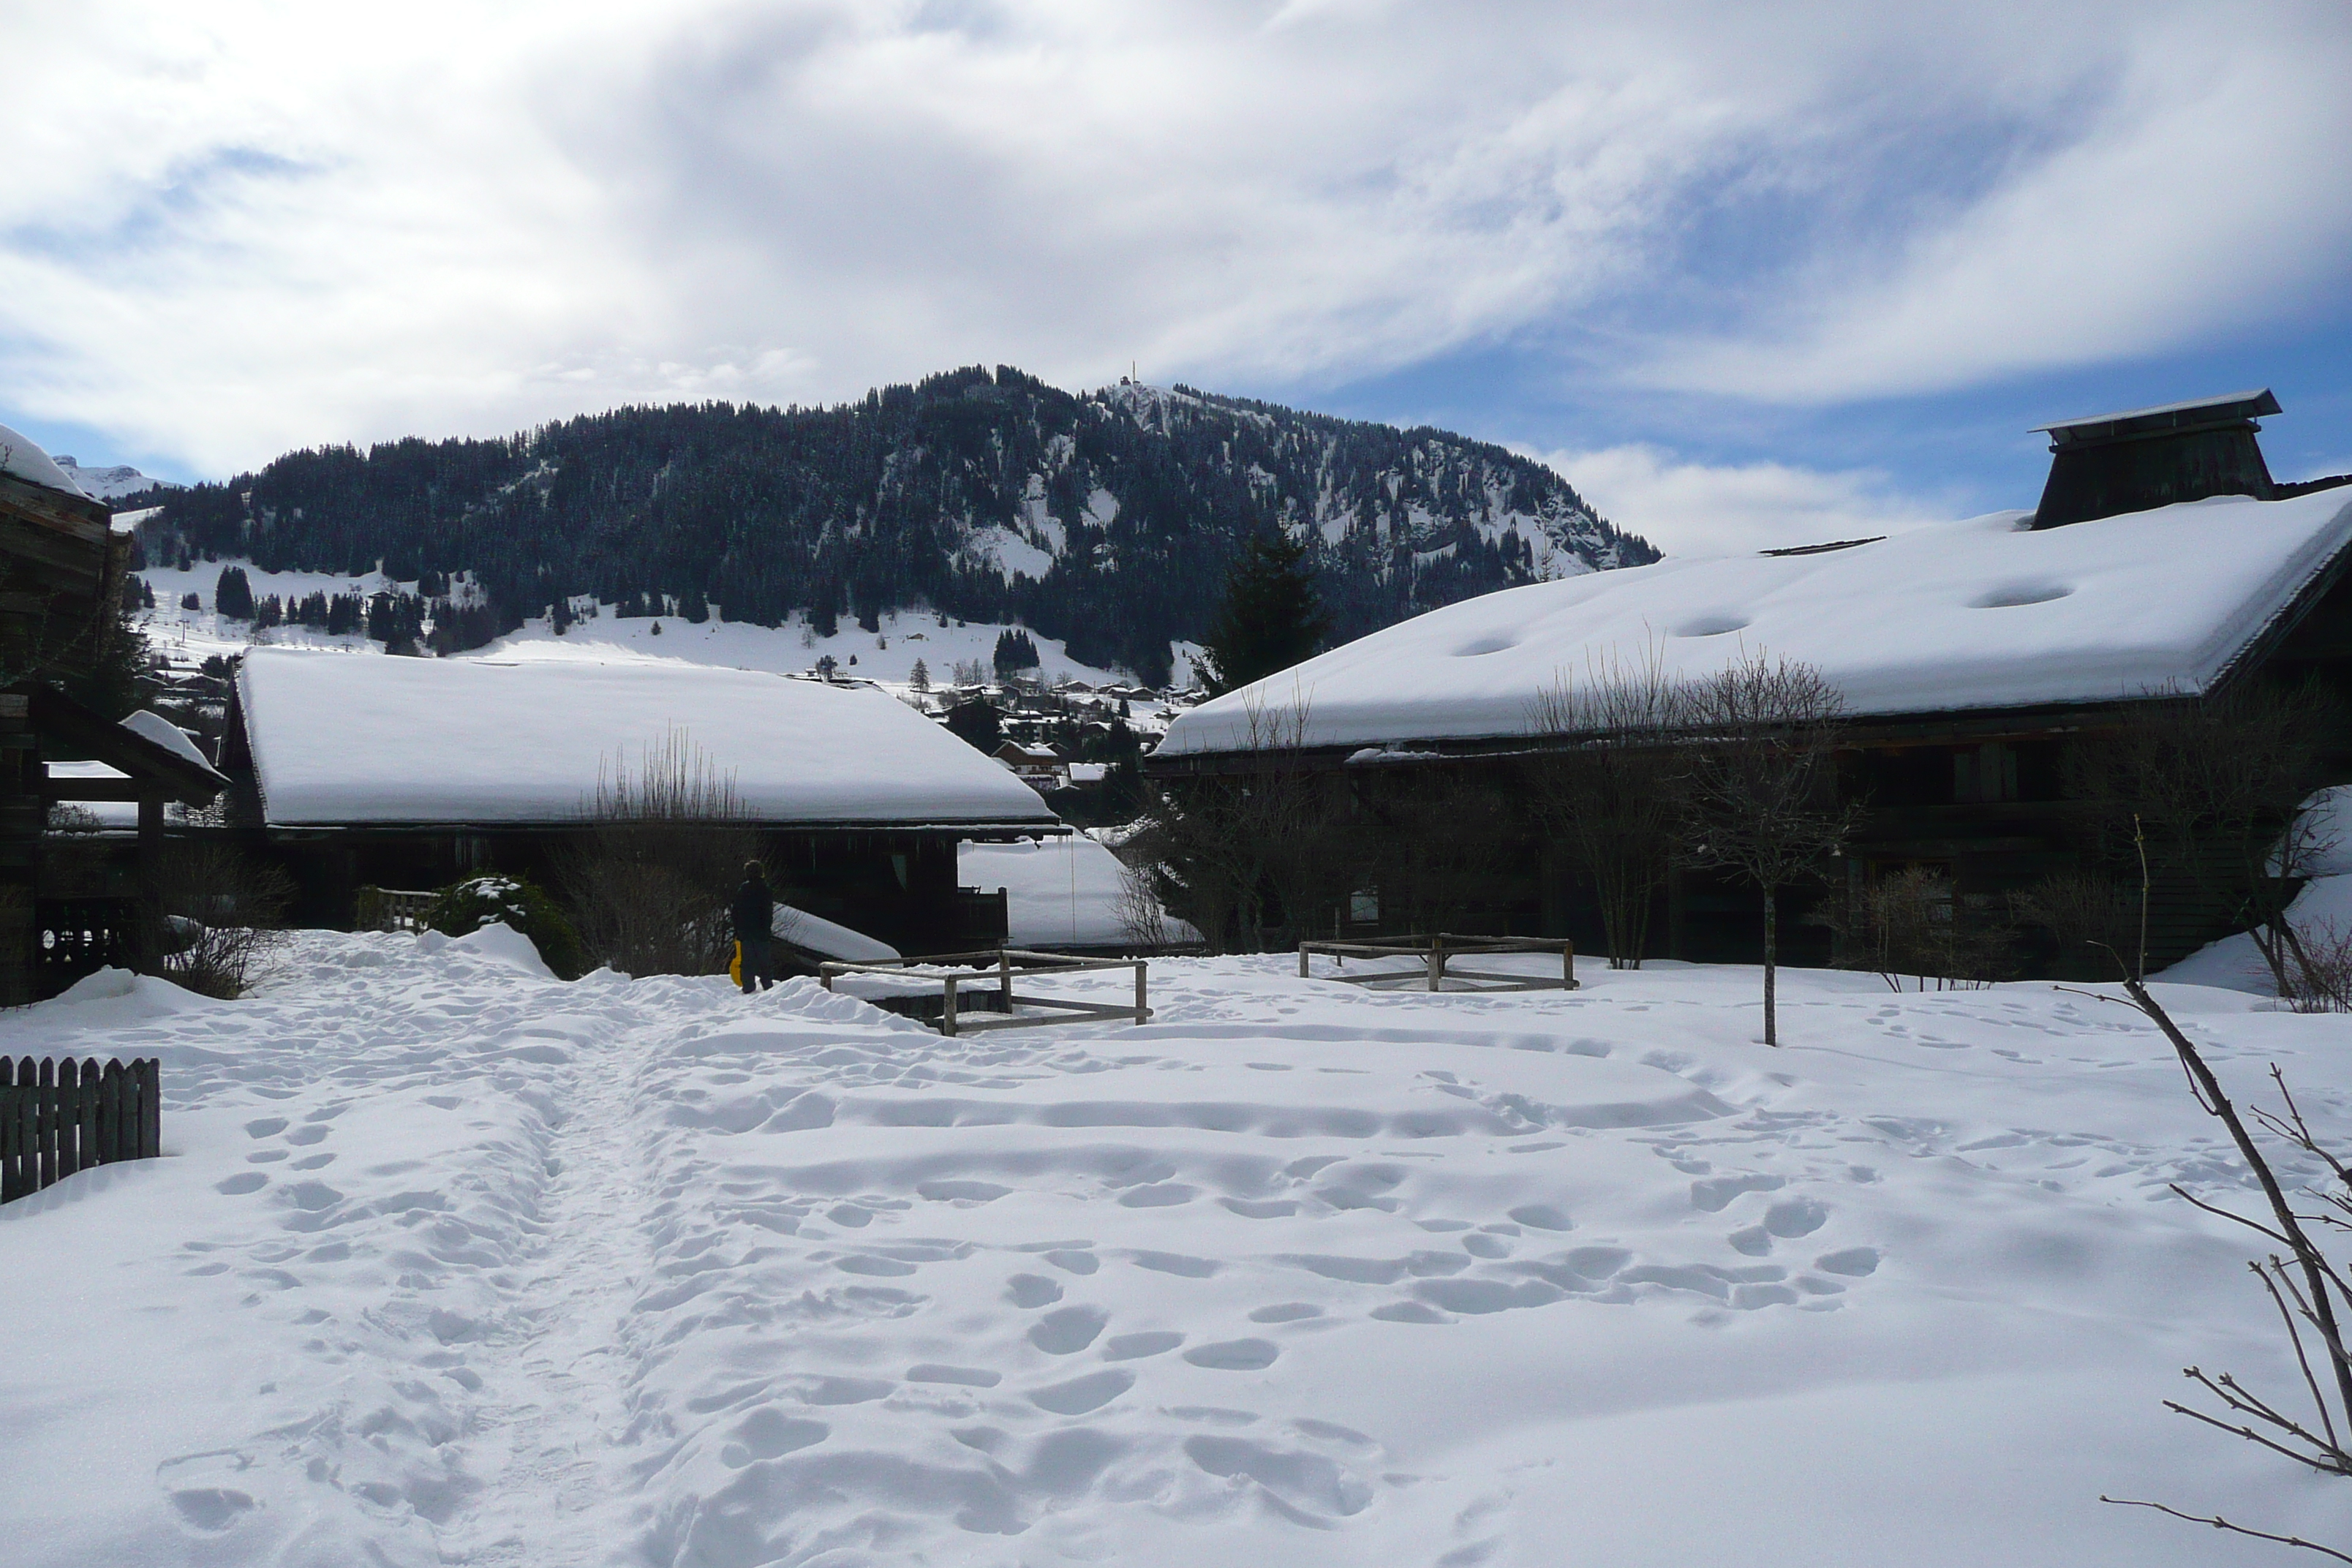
60,1117
1435,954
991,974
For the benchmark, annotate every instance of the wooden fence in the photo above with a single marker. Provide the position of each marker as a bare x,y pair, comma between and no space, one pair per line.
982,981
1436,959
59,1117
391,909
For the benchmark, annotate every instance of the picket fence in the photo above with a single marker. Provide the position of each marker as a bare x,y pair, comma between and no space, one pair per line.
60,1117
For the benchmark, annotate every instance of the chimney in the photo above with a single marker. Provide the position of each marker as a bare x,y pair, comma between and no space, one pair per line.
2147,458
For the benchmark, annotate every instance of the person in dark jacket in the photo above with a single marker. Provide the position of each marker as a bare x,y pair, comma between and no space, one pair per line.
755,919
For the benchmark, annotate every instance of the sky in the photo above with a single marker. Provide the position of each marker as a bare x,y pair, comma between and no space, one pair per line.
1747,275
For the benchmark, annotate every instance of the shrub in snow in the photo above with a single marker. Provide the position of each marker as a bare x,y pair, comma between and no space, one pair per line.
463,908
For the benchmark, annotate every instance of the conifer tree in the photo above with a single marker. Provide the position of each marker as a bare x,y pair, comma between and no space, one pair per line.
233,594
920,677
1272,617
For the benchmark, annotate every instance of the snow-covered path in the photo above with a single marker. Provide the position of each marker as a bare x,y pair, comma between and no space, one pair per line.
452,1263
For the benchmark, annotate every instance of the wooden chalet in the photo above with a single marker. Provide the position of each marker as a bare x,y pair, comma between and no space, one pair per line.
354,771
61,568
2164,562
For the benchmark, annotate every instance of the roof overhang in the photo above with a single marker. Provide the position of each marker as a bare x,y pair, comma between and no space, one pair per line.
2164,419
151,770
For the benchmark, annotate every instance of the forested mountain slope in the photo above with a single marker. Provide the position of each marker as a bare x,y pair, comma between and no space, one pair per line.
1106,519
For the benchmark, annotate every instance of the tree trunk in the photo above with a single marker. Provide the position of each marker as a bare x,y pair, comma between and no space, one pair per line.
1771,961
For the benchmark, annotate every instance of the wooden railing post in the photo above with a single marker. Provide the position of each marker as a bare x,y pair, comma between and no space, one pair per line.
150,1109
1005,980
1302,961
948,1006
1142,1012
1437,963
10,1141
45,1114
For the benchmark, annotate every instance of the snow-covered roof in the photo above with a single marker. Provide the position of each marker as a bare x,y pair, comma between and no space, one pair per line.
154,727
21,459
369,737
1980,613
2240,404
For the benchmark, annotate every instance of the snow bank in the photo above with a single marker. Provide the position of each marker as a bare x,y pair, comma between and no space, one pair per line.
341,738
1060,892
1979,613
447,1262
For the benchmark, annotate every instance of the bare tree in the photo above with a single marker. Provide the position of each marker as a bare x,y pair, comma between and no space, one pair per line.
2308,1292
1914,922
1612,794
1246,855
666,843
1762,793
2218,781
2089,916
222,913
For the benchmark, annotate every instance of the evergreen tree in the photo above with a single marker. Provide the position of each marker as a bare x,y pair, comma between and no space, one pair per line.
110,683
920,677
1272,617
1015,651
977,722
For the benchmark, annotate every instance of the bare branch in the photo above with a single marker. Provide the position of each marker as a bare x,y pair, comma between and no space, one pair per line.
2217,1522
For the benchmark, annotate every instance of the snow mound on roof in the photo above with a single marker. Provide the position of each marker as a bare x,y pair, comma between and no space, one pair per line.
19,458
344,738
1977,614
147,724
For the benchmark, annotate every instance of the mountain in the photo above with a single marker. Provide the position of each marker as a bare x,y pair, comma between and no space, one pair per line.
110,483
1105,519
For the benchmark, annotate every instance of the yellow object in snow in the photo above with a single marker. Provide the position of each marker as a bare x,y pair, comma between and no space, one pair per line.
735,965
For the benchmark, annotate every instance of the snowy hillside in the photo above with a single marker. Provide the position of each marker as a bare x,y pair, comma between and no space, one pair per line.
450,1262
1106,521
887,655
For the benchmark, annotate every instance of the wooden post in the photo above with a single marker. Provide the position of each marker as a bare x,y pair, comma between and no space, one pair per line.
150,1108
70,1145
1437,963
45,1112
1567,966
1302,961
1005,980
150,884
948,1004
110,1115
9,1140
1142,1012
90,1079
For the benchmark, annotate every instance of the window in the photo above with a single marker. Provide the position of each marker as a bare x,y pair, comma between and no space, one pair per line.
1985,773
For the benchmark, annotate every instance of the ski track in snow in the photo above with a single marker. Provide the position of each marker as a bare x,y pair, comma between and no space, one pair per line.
455,1263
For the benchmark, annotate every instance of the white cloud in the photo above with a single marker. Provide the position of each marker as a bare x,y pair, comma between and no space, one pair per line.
231,228
1698,508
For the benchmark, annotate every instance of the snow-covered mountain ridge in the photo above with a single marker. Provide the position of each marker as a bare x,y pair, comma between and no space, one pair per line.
1104,519
109,483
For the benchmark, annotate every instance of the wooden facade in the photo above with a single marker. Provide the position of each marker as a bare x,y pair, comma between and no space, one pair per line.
1432,831
61,568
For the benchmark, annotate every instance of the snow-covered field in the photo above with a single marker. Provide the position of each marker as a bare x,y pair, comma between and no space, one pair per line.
452,1263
